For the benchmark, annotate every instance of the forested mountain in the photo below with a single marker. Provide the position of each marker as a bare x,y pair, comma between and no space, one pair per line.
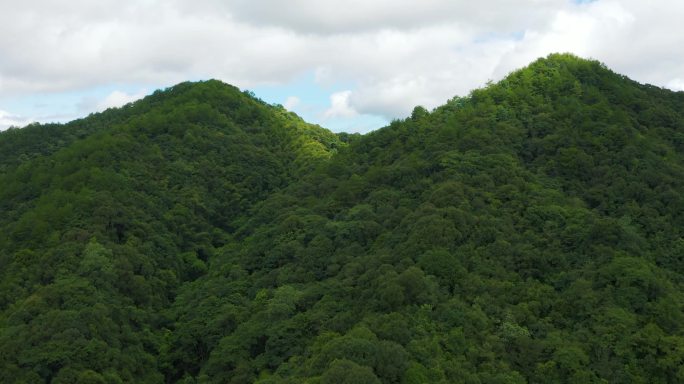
531,232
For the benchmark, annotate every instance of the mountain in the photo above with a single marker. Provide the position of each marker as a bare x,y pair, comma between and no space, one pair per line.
530,232
103,219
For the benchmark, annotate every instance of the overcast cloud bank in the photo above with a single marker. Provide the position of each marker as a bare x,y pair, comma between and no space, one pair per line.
395,54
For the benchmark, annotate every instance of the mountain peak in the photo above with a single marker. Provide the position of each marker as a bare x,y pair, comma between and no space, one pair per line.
563,58
562,67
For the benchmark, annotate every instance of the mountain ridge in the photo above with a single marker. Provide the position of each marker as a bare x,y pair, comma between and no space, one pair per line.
527,233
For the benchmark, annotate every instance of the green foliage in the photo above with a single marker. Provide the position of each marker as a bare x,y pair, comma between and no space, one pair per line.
528,233
348,372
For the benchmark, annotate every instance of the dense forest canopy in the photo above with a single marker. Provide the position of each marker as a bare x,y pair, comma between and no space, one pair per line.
531,232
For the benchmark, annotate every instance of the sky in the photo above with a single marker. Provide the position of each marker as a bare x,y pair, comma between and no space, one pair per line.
349,65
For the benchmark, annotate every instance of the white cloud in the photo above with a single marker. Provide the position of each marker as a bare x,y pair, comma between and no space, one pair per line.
339,106
395,54
676,84
631,37
118,99
291,102
8,119
335,17
591,30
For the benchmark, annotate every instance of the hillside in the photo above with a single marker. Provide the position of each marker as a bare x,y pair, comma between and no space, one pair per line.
531,232
103,219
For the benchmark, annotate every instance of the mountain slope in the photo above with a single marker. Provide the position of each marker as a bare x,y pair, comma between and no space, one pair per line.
99,231
530,232
521,234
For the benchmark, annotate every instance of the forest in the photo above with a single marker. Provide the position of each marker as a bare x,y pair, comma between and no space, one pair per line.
529,232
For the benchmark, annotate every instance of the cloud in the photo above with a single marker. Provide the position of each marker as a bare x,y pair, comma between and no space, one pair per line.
631,37
676,84
335,17
392,54
291,102
8,119
93,103
118,99
589,30
339,106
